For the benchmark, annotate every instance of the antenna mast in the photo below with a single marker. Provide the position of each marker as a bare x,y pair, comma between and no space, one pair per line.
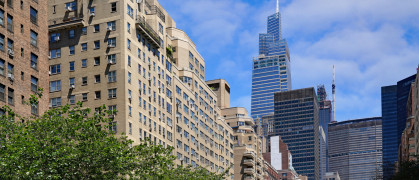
333,92
277,6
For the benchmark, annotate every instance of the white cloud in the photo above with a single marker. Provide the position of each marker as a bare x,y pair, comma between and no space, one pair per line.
366,40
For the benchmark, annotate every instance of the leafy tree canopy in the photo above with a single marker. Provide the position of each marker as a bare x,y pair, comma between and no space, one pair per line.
66,143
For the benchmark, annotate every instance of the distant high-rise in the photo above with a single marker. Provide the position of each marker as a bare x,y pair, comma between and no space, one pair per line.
271,69
296,120
393,104
325,117
355,148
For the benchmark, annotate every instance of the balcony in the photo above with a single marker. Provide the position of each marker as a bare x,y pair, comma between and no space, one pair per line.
250,154
249,162
57,24
248,178
249,170
148,31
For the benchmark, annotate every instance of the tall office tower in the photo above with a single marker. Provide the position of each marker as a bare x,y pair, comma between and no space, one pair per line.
296,120
325,116
393,104
322,152
355,148
23,55
271,69
131,57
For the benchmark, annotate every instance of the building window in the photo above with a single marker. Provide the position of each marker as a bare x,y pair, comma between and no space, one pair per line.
10,23
97,44
112,59
129,112
71,6
129,61
97,61
2,66
72,50
112,42
10,70
129,44
34,38
92,11
129,77
84,30
71,34
34,61
1,17
97,78
55,86
72,81
84,47
71,64
34,15
112,93
129,27
1,42
55,102
55,53
130,11
10,96
112,76
111,26
97,94
84,63
2,92
34,84
84,96
55,37
55,69
129,128
113,7
96,28
160,28
72,99
84,81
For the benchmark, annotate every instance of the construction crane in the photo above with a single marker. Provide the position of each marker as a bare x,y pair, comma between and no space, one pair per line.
333,92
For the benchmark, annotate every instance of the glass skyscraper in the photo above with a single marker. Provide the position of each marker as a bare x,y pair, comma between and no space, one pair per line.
296,120
355,148
393,104
271,69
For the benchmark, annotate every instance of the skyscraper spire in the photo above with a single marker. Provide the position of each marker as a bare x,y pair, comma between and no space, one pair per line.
277,6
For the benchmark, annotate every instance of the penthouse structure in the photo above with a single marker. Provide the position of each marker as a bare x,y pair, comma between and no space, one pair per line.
130,56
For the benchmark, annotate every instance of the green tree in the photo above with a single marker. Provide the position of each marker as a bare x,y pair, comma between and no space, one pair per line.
408,170
73,143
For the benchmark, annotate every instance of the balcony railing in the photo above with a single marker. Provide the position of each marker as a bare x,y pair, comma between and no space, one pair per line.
153,9
249,170
60,23
148,30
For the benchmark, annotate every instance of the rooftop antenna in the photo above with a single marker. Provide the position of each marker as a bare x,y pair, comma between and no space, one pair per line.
277,6
333,92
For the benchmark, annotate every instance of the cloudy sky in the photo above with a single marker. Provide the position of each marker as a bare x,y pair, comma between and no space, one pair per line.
372,43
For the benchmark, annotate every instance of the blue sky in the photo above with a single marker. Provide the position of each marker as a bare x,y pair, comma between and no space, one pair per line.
372,43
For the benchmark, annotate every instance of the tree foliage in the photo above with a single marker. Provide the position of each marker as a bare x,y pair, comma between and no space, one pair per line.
73,143
408,170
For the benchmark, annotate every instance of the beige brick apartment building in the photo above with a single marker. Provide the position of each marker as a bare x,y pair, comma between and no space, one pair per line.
129,55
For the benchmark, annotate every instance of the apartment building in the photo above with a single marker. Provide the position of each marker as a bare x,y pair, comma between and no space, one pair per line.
129,56
248,159
23,55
